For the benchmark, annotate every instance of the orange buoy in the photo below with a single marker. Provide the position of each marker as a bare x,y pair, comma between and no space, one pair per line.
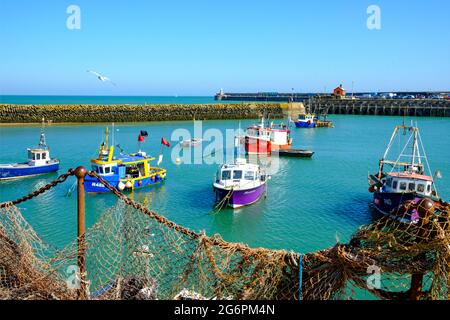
371,189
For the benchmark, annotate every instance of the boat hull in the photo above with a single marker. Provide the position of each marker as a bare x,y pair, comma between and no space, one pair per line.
257,146
304,124
388,202
92,185
23,170
275,147
240,198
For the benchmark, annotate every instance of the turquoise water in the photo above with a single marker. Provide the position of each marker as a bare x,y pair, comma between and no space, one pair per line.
310,202
109,99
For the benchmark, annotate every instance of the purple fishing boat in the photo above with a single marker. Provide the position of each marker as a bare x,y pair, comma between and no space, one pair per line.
406,178
239,184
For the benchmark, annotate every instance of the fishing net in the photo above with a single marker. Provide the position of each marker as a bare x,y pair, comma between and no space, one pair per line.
134,253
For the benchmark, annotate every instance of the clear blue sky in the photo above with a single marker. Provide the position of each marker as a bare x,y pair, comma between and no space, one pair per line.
192,47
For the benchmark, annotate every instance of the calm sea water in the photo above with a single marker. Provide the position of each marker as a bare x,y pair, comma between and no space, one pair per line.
310,202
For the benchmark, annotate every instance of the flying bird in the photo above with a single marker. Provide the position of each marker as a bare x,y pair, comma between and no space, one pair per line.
101,77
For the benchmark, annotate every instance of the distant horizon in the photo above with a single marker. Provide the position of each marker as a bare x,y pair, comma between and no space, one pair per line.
213,94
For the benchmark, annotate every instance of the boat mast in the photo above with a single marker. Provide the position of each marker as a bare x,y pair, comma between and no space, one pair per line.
42,143
106,139
380,171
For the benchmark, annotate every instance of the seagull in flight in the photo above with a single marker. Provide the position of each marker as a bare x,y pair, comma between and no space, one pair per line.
101,77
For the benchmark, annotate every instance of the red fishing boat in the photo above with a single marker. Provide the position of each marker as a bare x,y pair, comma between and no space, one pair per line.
260,139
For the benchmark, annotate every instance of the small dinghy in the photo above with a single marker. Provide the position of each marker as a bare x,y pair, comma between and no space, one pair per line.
298,153
39,162
191,143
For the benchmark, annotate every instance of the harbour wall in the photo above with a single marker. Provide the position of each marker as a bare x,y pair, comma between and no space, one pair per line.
12,113
387,107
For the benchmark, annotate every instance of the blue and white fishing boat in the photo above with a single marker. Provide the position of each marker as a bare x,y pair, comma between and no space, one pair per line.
39,162
306,121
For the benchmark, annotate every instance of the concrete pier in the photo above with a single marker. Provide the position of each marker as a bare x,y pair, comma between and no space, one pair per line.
386,107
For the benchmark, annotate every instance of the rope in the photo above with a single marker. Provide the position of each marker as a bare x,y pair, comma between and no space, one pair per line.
223,202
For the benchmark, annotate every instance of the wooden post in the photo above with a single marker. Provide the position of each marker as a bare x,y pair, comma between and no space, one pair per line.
80,173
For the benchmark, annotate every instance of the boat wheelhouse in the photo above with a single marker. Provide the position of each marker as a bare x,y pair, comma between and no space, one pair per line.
406,179
239,184
257,139
280,137
307,120
39,162
125,172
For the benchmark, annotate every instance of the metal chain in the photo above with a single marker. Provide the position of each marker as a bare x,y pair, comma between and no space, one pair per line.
45,188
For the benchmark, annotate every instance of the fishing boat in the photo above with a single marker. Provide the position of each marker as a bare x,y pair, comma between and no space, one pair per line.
239,184
405,178
307,120
39,162
262,139
125,172
194,142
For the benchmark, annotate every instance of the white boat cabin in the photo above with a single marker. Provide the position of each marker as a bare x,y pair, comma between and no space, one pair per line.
239,175
258,132
280,136
400,182
38,157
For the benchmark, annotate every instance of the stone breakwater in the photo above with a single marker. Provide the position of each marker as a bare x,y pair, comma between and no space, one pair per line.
11,113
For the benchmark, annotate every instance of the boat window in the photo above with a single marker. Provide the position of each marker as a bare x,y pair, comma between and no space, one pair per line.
132,171
249,175
420,187
107,169
428,187
38,156
141,169
388,182
95,168
394,185
411,186
226,175
403,186
100,169
237,174
44,155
